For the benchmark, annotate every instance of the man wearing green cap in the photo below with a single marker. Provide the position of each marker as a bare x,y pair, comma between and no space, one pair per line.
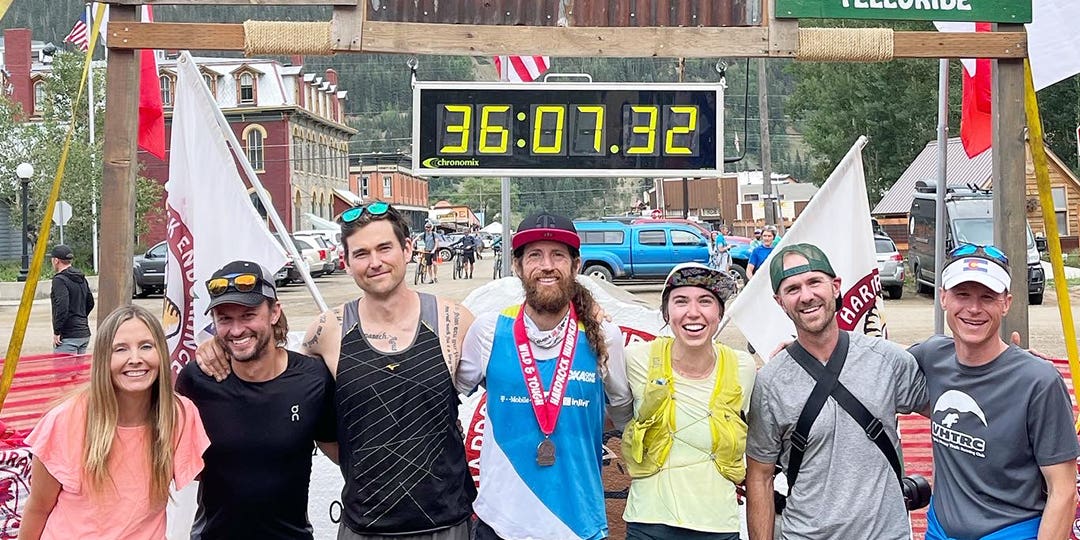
841,485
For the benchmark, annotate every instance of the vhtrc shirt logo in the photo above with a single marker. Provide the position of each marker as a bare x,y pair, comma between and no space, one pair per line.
954,412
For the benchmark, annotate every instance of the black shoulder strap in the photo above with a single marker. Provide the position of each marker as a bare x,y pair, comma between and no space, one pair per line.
827,377
871,425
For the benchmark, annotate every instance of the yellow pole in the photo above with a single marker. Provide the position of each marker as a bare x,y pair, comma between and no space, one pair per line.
18,333
1046,200
4,5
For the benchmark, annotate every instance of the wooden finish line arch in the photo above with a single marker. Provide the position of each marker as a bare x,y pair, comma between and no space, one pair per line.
574,28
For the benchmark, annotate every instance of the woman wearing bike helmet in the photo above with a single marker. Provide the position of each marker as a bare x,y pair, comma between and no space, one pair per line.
684,447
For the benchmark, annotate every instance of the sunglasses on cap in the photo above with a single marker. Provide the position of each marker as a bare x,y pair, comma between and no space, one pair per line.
239,283
990,252
373,209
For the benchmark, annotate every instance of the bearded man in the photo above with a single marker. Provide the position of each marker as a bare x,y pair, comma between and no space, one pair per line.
550,366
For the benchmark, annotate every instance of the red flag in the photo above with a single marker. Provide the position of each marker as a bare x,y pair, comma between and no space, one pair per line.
976,132
151,113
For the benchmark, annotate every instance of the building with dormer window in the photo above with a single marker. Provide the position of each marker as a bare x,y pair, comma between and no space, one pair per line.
291,124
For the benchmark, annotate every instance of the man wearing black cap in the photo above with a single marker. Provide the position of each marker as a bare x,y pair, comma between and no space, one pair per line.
1001,423
393,353
550,366
845,486
262,419
72,302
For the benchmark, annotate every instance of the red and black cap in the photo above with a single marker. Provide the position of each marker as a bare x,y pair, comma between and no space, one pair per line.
545,226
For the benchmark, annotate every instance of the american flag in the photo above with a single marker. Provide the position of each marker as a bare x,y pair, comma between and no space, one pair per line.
79,34
521,68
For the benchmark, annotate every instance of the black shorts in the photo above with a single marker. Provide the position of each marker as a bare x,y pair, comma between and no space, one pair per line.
429,258
468,256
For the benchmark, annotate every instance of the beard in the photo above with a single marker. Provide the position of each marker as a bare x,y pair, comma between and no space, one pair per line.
548,299
262,345
820,321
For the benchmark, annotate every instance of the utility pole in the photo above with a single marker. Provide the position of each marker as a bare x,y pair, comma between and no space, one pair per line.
766,154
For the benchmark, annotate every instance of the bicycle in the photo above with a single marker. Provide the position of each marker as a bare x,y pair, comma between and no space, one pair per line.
497,272
421,268
459,263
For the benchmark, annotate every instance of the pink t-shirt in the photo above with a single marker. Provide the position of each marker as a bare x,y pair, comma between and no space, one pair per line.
122,510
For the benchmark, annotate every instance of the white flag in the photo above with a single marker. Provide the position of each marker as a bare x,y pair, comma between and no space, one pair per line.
1053,43
837,220
211,220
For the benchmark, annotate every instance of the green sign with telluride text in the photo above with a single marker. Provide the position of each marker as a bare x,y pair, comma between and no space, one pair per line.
1000,11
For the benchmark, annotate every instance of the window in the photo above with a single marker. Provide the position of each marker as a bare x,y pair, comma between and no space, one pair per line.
166,90
602,237
296,212
39,97
363,187
1061,210
684,238
297,153
652,238
322,204
387,190
313,209
254,136
159,251
247,88
211,83
747,197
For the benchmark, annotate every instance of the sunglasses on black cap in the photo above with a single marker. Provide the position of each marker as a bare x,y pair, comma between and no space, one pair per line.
240,283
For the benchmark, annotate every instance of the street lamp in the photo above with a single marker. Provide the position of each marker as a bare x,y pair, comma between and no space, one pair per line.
25,171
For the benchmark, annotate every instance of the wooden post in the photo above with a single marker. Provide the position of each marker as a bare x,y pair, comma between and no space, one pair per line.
120,166
1010,210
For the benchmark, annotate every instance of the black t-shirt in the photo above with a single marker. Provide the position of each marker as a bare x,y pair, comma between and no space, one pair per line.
258,466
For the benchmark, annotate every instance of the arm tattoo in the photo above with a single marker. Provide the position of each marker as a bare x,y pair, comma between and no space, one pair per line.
318,332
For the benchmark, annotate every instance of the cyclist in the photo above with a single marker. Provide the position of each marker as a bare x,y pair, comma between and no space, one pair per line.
469,246
430,241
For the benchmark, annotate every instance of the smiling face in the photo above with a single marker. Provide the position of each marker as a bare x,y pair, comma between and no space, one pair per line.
693,314
134,360
767,238
376,259
809,299
547,272
246,332
974,312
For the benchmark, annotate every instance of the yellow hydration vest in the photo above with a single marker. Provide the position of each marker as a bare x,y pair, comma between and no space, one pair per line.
647,439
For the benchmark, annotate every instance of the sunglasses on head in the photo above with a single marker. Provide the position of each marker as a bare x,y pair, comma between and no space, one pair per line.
239,282
374,209
967,250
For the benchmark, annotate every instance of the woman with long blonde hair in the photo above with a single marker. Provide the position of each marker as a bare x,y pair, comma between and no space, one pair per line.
104,458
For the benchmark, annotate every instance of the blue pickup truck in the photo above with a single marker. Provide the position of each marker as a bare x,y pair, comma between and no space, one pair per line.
612,250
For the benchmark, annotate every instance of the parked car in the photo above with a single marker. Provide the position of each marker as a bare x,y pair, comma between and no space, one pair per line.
321,262
149,270
890,266
325,240
699,225
613,250
309,256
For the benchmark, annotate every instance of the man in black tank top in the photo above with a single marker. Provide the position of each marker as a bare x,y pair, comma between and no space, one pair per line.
394,354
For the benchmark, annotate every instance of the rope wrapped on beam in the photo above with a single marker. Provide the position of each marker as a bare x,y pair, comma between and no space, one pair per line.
845,45
281,38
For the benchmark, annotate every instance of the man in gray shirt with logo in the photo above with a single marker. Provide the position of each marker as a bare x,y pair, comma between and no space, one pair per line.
1004,442
845,488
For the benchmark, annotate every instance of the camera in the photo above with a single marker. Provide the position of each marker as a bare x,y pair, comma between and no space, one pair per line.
916,491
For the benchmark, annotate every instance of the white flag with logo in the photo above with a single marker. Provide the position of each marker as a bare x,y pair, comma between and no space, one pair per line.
211,220
837,220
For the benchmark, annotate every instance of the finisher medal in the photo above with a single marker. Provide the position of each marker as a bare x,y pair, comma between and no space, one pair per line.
545,453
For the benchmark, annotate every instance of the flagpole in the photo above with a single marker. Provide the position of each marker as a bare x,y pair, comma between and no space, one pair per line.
92,103
268,204
942,179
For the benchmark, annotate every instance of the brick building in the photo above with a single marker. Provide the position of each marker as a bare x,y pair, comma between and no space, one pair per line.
394,183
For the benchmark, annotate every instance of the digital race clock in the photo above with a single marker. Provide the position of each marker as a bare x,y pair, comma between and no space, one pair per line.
567,129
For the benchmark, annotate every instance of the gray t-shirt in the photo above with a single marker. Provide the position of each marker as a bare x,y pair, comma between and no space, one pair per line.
846,488
992,427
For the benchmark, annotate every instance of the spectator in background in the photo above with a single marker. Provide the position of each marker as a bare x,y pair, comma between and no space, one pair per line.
72,302
105,457
719,251
761,252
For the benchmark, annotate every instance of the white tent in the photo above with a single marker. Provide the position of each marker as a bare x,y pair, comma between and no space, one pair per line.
493,228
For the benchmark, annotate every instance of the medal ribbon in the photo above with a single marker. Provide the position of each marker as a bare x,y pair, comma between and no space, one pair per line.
546,409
